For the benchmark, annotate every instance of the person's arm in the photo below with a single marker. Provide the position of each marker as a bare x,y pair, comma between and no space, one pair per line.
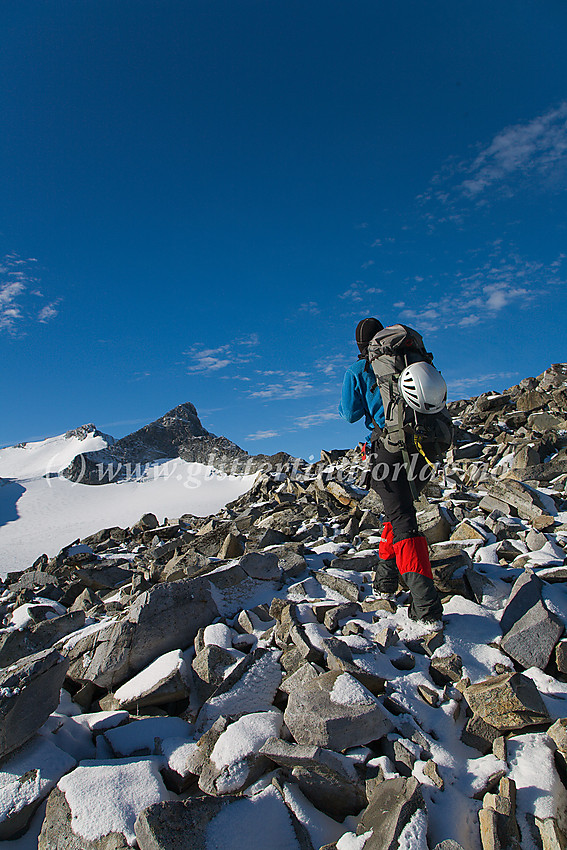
351,406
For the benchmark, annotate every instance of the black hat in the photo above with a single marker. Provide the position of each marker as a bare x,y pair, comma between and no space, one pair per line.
365,330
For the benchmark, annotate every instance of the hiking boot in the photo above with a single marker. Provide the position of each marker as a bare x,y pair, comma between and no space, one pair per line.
391,597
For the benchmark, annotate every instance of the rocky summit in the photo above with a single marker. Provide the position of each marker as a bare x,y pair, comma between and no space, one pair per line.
179,433
233,681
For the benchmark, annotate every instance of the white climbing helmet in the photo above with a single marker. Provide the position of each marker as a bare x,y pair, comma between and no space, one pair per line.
423,388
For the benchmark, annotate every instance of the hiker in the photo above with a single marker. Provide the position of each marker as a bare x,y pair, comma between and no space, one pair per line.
402,550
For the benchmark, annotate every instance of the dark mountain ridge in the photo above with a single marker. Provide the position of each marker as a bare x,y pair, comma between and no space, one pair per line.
178,433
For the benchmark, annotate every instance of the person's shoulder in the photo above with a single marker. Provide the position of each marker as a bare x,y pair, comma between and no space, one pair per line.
358,367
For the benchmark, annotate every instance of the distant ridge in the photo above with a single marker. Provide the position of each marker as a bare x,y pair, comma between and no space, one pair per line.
178,433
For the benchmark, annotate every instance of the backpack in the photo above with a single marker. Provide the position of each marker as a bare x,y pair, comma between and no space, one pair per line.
389,352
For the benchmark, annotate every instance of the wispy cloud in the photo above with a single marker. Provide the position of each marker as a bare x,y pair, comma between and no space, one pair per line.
263,435
211,360
48,312
18,291
318,418
310,307
358,292
524,154
537,147
501,282
290,385
493,378
333,364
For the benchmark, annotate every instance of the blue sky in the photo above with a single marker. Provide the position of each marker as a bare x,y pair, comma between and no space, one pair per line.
200,199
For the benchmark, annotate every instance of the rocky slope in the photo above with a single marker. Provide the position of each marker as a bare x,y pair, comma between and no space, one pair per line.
234,676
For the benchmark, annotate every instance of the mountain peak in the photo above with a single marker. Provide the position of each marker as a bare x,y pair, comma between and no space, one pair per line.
179,433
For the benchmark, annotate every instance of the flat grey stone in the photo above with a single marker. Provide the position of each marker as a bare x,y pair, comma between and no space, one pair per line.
390,809
21,642
360,562
306,673
171,825
57,833
433,524
532,639
201,823
335,716
327,779
479,734
525,593
517,495
348,589
29,692
261,565
345,611
250,687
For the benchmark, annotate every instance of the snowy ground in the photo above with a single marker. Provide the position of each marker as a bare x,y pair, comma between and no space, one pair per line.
39,514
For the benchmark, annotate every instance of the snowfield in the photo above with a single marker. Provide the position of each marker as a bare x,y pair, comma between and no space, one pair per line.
43,514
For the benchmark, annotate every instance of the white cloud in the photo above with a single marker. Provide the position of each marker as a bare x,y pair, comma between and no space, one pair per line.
17,285
263,435
535,147
48,312
318,418
496,378
310,307
289,388
358,292
333,364
527,153
501,282
211,360
353,292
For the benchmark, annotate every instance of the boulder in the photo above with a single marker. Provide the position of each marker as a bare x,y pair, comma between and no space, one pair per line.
201,823
525,594
166,617
261,565
335,711
29,692
532,639
165,680
26,778
236,759
390,809
329,780
479,734
250,687
542,422
165,826
516,494
38,636
507,701
57,833
433,524
349,589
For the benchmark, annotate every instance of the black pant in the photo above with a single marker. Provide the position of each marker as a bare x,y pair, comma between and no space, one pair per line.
389,479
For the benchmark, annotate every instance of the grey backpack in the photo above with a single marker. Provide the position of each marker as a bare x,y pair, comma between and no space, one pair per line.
389,352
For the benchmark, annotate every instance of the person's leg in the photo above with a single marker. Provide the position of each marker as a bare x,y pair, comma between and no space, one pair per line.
386,576
409,546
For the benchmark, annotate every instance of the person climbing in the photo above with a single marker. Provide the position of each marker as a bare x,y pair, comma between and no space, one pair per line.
397,477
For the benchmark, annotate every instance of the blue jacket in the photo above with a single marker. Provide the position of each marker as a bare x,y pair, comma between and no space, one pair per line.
357,398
